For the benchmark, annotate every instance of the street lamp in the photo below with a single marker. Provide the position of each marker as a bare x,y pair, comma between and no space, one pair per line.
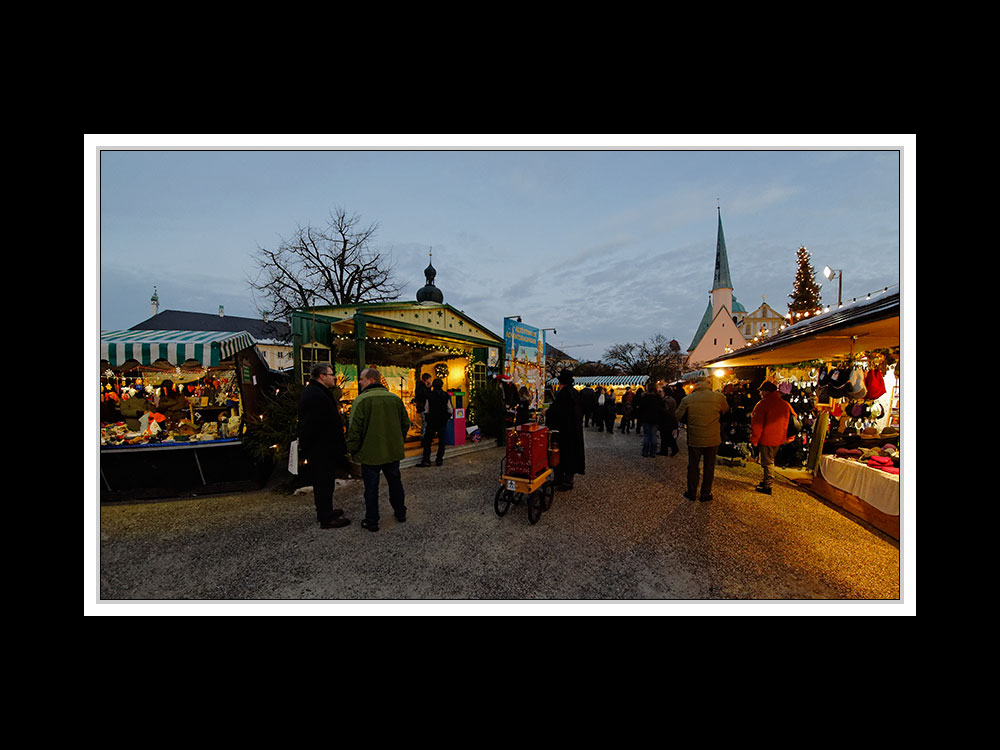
554,331
837,273
512,317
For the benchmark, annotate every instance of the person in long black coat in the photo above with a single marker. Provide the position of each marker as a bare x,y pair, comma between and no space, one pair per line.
650,411
566,416
668,424
322,443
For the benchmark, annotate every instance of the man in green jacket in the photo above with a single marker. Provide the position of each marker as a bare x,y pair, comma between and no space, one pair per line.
701,410
375,439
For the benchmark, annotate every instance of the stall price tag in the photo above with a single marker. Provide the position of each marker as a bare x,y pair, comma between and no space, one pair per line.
511,485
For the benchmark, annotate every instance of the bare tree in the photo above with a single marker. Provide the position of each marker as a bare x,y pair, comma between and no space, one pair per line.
627,358
663,358
332,265
659,358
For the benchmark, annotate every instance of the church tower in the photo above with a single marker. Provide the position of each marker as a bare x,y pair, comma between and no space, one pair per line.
719,330
429,292
722,285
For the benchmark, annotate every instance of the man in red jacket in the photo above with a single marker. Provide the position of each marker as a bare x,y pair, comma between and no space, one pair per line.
769,429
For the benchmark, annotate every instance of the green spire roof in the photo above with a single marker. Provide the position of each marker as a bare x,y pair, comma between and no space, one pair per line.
722,278
706,321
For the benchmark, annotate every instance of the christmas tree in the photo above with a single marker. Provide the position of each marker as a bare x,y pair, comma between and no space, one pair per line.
805,297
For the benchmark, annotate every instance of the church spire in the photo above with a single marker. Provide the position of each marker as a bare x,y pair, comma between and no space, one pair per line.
722,278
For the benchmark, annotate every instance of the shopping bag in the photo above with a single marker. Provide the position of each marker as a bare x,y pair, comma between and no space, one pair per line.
794,426
293,457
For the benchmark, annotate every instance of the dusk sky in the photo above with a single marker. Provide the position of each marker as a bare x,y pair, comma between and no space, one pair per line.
607,239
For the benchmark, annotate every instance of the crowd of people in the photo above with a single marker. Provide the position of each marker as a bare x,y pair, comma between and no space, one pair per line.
656,413
379,423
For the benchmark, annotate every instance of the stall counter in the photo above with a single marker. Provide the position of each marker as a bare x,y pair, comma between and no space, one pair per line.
876,487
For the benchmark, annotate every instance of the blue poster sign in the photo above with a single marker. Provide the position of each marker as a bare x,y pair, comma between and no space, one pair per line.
524,358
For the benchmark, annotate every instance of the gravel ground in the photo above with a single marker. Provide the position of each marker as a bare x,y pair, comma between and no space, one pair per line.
624,534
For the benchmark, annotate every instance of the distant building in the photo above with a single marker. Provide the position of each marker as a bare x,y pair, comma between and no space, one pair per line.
763,322
274,338
719,331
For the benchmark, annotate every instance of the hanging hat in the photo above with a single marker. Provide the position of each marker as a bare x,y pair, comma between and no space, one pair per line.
857,383
785,387
839,383
874,383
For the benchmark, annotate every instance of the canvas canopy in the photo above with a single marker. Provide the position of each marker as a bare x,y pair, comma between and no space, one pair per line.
210,348
606,380
857,327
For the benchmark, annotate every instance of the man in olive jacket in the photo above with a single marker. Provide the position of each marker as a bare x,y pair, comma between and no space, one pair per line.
701,410
375,438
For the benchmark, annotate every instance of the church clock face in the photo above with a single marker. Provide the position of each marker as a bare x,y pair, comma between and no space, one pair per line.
441,370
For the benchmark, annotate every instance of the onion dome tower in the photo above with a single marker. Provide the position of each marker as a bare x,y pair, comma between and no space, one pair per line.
429,292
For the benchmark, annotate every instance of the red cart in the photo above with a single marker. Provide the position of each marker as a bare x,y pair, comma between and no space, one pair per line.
526,471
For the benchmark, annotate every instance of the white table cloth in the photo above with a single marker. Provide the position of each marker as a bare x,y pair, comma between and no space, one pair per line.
878,488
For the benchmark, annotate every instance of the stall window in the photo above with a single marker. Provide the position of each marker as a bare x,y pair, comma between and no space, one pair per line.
310,356
478,375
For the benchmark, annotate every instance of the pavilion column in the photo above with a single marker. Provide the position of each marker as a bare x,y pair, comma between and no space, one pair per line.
359,339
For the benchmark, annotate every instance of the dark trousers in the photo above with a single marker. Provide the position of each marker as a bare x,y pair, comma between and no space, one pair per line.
668,443
370,474
561,476
695,456
323,474
433,431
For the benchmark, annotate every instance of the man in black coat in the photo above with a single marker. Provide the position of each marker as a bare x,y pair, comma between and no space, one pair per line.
420,400
322,443
649,414
566,416
437,413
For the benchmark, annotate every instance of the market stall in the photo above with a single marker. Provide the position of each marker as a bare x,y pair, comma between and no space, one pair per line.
617,384
173,408
840,371
403,340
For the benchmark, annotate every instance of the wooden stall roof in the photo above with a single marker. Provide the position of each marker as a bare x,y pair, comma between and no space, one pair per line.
863,326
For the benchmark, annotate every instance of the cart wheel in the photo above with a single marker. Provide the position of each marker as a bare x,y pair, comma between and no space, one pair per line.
501,503
548,492
536,504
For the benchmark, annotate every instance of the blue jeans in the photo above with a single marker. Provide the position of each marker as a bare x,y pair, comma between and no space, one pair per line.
370,474
648,439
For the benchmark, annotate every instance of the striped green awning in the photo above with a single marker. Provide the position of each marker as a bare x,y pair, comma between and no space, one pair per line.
208,347
606,380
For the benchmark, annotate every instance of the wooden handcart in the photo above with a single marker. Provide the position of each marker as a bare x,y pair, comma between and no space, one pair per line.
526,471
